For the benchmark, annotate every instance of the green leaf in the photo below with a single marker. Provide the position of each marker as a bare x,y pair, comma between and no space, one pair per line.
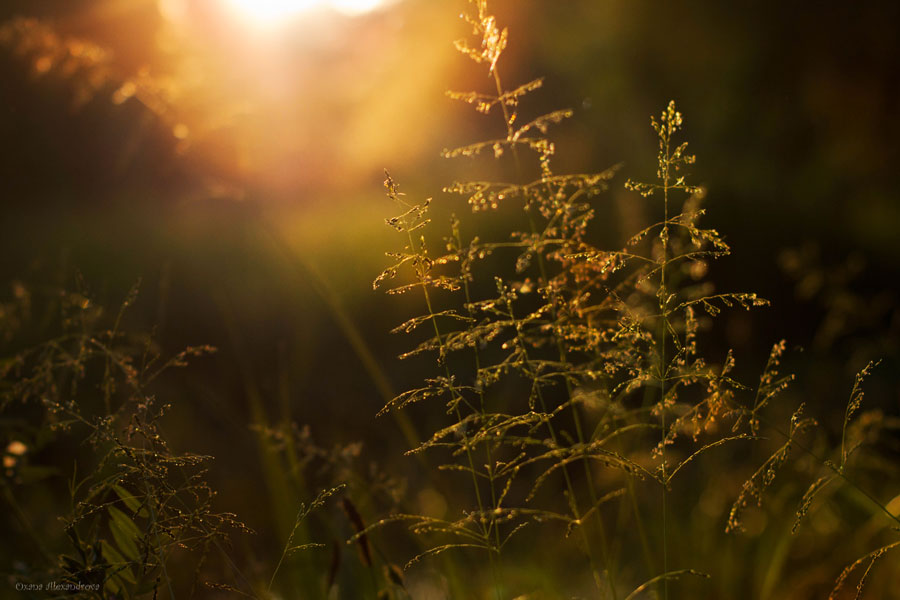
131,501
119,566
125,532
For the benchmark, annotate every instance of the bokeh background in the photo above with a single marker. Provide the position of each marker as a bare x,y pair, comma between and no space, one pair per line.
232,162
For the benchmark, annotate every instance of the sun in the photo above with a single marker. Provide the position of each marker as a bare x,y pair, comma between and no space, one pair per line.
276,11
271,11
354,7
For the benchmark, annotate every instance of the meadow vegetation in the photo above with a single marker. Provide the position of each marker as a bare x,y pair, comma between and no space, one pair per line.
570,430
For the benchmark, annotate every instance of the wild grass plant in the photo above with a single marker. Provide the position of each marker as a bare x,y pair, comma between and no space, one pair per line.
573,375
141,518
135,505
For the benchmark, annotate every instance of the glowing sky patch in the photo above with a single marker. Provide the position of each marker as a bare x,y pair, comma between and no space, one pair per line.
276,11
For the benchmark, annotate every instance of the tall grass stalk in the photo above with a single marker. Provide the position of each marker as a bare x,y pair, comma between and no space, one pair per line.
588,335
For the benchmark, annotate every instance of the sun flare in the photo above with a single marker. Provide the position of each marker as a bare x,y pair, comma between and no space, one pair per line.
276,11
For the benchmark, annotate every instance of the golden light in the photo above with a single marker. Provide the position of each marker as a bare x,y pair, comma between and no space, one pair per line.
355,7
269,12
